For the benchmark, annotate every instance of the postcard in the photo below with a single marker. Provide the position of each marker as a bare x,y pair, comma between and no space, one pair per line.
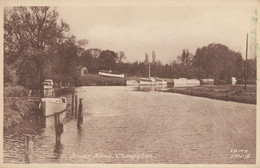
130,83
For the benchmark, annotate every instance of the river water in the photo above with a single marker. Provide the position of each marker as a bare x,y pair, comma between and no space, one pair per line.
133,125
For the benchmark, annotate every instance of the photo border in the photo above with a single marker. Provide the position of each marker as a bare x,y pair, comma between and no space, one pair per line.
89,3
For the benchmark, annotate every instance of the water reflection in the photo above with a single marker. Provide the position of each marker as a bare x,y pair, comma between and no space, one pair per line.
58,150
43,128
149,88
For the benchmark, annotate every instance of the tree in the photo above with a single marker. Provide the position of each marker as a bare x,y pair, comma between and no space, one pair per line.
186,58
218,62
9,74
107,60
121,56
146,58
95,52
28,70
153,57
87,59
30,30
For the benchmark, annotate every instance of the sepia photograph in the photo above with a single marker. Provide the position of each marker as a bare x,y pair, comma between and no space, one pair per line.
130,83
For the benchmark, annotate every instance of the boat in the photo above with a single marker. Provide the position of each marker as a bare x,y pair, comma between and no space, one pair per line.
49,106
47,84
110,73
147,81
160,81
184,82
207,81
132,83
193,82
152,81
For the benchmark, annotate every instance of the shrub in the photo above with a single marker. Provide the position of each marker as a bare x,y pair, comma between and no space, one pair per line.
15,91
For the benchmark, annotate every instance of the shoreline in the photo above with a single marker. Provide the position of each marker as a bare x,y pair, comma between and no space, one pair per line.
19,109
235,93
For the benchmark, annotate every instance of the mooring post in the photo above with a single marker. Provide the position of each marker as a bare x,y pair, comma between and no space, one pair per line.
30,93
76,106
72,103
80,113
53,92
58,127
29,142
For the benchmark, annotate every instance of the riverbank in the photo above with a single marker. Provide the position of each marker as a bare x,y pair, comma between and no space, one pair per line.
16,109
97,80
235,93
18,106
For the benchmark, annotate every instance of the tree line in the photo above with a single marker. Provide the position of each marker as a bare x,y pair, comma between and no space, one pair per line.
214,61
38,45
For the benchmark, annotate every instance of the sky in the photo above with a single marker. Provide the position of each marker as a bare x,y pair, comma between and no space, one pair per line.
167,30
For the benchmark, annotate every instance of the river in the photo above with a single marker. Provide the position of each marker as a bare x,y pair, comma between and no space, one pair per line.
129,125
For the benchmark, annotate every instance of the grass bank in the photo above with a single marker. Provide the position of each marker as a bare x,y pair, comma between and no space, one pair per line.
16,110
235,93
97,80
18,106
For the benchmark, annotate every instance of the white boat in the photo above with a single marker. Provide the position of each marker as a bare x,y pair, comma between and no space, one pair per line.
193,82
47,84
111,74
132,83
208,81
184,82
51,105
160,82
147,81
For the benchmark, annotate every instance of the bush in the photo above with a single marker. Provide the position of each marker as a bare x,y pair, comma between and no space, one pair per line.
15,91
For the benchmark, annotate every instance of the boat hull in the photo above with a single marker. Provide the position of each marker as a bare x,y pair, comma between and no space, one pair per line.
47,87
132,83
49,106
164,83
146,83
111,75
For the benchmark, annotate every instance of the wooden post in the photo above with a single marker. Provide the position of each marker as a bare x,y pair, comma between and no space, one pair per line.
76,106
80,114
53,92
72,103
30,93
29,142
58,127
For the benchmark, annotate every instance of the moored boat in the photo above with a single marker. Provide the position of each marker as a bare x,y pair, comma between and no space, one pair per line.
132,83
111,74
160,82
147,81
207,81
184,82
47,84
49,106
